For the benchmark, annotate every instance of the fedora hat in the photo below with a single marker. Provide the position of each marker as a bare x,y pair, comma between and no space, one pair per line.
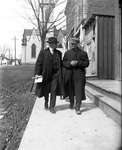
75,40
52,40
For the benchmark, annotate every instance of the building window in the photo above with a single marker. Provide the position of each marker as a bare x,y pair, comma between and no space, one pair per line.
33,51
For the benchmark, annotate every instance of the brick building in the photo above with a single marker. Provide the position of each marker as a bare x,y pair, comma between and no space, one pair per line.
98,25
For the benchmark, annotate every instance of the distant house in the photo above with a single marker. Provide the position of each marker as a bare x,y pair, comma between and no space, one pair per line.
4,61
9,61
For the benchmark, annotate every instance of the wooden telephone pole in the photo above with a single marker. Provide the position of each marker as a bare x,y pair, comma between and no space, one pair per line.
15,49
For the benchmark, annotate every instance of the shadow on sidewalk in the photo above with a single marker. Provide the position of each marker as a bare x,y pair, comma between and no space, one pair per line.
62,107
84,107
87,106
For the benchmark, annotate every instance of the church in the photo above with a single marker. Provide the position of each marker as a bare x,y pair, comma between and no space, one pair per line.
31,41
31,44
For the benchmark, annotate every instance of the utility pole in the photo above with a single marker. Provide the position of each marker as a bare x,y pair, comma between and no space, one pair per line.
9,53
15,48
25,54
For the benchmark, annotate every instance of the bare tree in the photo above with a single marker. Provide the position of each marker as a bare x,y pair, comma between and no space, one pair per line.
43,16
3,52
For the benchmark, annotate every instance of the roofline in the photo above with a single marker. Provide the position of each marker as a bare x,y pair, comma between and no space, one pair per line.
92,17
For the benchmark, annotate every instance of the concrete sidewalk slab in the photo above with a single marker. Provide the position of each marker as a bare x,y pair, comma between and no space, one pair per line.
92,130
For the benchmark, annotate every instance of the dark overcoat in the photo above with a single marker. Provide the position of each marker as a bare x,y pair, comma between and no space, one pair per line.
75,73
46,67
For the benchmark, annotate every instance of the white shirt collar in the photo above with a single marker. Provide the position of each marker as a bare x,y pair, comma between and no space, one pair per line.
51,50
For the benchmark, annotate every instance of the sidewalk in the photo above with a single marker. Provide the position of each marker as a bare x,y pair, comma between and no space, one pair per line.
92,130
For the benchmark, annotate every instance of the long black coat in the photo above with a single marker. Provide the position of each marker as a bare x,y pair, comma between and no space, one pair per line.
46,67
77,73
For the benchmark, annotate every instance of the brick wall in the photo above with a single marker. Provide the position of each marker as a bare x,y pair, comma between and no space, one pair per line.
76,10
69,12
104,7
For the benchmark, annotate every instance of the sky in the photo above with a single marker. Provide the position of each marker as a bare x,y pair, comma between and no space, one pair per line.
12,24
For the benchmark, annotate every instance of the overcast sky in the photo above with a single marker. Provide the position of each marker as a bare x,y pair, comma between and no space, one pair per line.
12,23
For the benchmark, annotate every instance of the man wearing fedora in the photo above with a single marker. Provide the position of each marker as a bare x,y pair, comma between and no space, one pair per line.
48,65
75,61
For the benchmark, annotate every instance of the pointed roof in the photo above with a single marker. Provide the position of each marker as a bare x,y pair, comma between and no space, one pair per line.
27,32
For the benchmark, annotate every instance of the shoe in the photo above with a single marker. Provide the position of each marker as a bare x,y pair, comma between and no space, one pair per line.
52,110
78,112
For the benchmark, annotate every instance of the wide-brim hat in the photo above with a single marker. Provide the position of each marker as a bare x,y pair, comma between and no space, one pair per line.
75,40
52,40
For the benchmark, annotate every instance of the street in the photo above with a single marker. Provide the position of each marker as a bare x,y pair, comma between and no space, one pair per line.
65,130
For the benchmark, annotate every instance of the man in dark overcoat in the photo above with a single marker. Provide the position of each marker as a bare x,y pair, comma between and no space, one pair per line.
75,61
48,65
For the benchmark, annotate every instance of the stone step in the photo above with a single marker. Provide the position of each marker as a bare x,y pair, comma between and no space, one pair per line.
107,92
110,106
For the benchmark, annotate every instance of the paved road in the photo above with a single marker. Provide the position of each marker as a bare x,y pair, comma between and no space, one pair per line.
65,130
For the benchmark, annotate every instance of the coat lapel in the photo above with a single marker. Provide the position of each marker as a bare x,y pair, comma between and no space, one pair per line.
47,66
